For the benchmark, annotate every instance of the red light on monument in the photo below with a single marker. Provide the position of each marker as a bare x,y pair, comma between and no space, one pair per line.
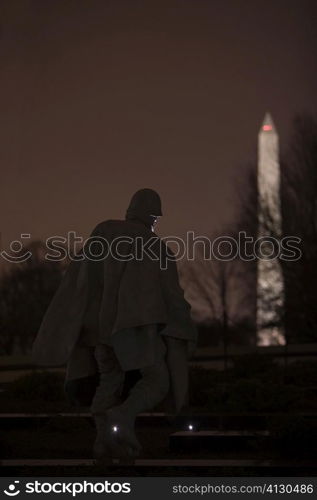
267,127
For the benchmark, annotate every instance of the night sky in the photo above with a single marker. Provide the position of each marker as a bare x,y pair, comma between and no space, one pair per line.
101,98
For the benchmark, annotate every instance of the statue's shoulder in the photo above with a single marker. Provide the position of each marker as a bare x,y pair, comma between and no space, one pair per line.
107,226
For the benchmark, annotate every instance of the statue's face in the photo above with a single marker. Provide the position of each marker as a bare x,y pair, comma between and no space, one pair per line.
155,219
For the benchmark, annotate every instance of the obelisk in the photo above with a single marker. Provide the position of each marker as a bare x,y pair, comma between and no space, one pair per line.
270,285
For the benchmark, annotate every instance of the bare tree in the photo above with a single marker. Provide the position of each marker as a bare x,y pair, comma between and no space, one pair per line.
299,202
25,293
221,288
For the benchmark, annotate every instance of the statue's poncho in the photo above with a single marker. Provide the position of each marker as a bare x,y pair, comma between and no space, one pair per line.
99,299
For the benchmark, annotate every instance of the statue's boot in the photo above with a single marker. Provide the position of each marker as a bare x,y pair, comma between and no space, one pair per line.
115,427
146,394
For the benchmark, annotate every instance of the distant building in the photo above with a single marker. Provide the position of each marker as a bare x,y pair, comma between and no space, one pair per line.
270,285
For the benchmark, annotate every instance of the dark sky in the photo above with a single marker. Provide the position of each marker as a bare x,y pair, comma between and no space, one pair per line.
100,98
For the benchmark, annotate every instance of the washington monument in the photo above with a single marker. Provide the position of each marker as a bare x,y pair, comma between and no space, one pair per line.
270,286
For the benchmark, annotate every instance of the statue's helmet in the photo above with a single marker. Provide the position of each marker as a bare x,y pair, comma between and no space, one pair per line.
144,204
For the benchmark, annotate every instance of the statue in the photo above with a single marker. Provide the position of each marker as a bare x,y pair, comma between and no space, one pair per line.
119,308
